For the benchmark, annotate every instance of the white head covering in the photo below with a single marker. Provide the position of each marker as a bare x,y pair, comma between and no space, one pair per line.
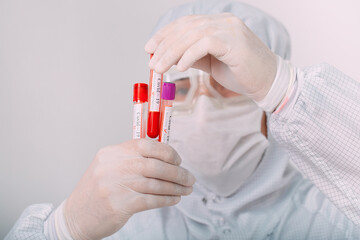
275,36
268,29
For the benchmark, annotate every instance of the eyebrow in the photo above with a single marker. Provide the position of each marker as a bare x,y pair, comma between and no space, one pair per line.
183,78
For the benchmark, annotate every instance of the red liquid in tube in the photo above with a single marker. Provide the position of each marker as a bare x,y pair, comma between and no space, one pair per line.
155,84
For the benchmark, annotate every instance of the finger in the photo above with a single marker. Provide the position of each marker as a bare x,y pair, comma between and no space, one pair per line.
155,40
159,187
181,36
171,52
171,36
153,149
154,168
203,47
203,64
158,37
144,202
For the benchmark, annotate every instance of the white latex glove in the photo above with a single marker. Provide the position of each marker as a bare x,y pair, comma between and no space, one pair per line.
221,45
122,180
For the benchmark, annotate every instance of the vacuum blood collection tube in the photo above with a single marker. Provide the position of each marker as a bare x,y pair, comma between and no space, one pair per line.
167,99
155,84
140,100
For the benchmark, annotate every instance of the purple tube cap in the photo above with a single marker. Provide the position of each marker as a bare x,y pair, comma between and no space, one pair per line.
168,91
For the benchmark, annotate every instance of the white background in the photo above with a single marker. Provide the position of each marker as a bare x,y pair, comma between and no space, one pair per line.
66,74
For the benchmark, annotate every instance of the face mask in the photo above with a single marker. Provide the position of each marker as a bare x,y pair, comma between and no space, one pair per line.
221,146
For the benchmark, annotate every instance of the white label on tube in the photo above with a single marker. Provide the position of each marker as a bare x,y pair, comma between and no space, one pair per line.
155,92
166,125
137,120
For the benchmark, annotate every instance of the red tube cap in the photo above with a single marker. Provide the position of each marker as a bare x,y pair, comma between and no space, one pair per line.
140,92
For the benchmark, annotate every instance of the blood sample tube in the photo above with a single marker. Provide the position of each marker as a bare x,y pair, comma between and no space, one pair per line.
167,99
155,84
140,101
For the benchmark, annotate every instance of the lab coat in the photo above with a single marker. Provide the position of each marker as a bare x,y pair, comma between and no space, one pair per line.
318,130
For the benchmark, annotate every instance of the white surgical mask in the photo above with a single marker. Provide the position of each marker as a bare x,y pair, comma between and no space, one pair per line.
221,146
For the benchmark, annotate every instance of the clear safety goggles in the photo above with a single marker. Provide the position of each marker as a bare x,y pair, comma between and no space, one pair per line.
193,83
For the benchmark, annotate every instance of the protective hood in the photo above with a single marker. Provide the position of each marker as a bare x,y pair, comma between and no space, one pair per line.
268,29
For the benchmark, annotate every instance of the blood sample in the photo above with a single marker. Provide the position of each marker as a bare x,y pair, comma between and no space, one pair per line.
155,84
167,99
140,102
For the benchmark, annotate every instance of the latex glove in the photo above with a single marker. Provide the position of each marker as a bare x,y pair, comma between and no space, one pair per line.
122,180
221,45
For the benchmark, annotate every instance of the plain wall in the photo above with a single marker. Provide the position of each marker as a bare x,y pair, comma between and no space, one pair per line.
66,74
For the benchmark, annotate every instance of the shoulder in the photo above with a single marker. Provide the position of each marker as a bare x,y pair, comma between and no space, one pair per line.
313,215
31,222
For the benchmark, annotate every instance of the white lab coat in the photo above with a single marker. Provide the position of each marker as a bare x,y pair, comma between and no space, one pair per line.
320,129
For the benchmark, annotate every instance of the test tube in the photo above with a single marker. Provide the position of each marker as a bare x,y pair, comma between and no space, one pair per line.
155,84
167,99
140,102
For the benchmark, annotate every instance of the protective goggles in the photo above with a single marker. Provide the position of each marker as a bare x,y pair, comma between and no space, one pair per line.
193,83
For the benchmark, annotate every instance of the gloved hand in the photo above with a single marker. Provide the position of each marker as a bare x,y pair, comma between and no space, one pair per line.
221,45
122,180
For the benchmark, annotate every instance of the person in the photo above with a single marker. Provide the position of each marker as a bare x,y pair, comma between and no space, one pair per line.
245,186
